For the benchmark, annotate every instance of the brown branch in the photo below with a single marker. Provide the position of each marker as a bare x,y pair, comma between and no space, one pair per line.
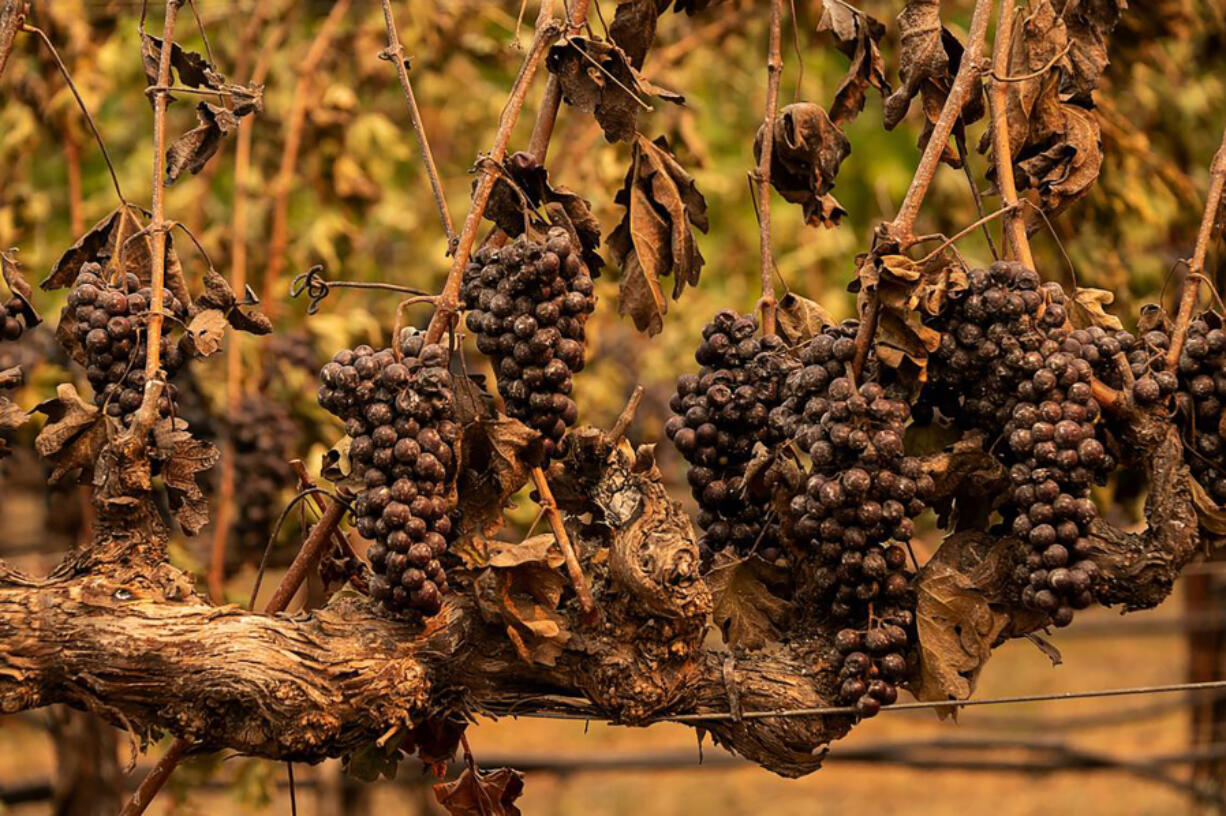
307,558
449,298
395,54
901,229
157,224
155,779
12,16
283,184
547,115
774,67
998,94
1208,222
558,525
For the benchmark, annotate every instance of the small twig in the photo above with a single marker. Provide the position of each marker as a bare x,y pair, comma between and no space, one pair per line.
962,233
546,500
618,431
283,183
965,158
1191,287
157,225
1015,227
547,115
317,288
449,298
394,53
339,539
156,778
307,558
72,86
208,49
901,228
864,336
1051,63
774,67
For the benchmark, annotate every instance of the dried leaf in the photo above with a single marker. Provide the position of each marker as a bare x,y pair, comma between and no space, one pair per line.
654,238
193,69
188,457
1088,23
856,34
495,462
598,77
904,292
193,149
1092,311
206,330
241,316
1211,516
539,549
482,793
801,319
73,436
956,624
747,613
634,28
806,151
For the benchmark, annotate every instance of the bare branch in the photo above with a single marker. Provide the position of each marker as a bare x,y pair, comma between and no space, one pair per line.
1015,225
774,67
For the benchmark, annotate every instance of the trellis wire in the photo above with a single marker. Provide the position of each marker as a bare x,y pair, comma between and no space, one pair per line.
851,710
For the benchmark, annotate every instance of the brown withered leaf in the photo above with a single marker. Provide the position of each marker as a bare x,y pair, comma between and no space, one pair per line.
967,477
856,34
11,418
187,457
18,287
527,185
206,330
73,436
193,149
524,599
220,296
193,69
495,462
1089,22
634,28
928,60
801,319
905,291
542,549
956,624
654,238
746,611
1065,167
598,77
1090,309
482,793
806,151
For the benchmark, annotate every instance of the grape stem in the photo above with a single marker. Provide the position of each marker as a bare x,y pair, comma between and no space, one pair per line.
774,67
547,115
546,500
998,96
1191,286
394,53
547,29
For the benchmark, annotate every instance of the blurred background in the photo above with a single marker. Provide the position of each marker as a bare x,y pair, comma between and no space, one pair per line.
357,202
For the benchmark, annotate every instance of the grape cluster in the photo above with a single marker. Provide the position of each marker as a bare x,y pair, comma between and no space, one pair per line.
527,304
262,433
719,414
1202,384
110,321
1152,381
399,415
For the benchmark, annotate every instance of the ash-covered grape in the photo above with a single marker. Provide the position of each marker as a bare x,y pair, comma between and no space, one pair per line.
110,321
719,414
1201,371
528,304
12,319
400,416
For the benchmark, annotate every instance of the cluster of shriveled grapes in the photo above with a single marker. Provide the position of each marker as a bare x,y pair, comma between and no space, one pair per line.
110,320
1010,364
528,303
856,511
1202,384
399,414
720,413
262,433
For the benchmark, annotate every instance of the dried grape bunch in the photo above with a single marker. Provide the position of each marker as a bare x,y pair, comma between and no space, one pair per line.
1152,381
852,519
1202,391
110,322
399,415
720,413
263,435
528,303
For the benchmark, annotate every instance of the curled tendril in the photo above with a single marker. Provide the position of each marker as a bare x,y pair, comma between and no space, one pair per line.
316,288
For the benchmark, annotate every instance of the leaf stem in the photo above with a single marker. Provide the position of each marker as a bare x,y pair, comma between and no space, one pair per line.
1191,286
546,500
998,94
394,53
774,67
